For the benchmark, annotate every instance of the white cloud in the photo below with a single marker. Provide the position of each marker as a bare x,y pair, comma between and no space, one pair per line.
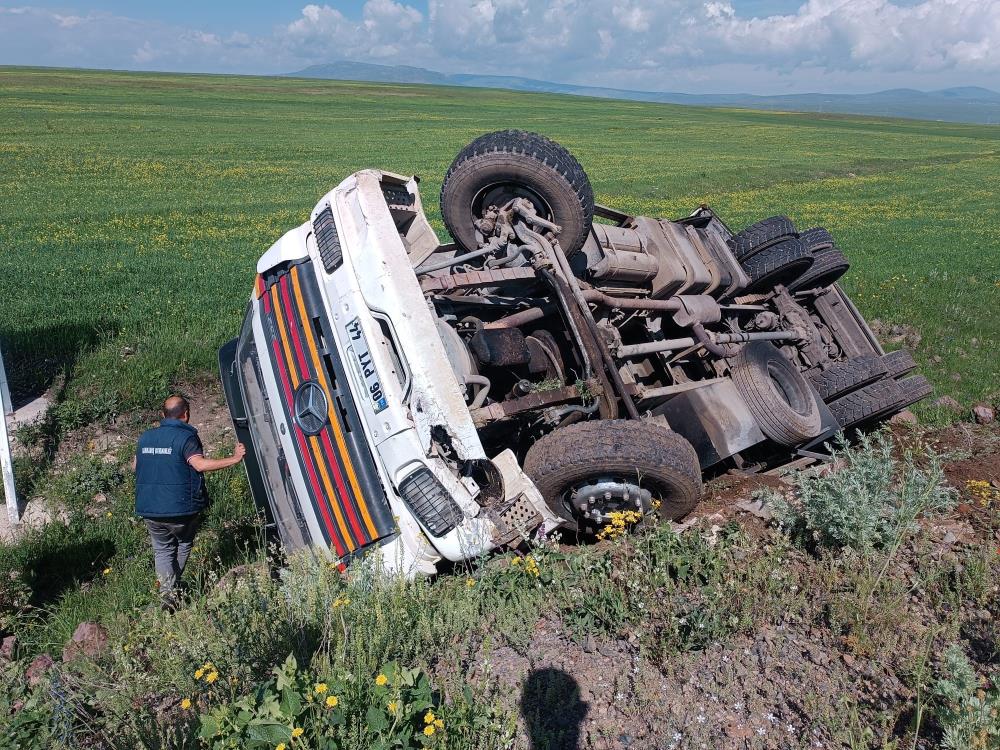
653,45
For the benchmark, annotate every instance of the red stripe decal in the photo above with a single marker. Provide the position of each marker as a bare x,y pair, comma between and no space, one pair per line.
338,478
345,499
292,328
305,455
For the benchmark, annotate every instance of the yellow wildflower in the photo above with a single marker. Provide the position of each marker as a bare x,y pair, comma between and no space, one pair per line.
470,582
280,746
297,732
429,717
199,672
439,723
381,680
320,688
211,677
429,730
391,706
109,514
332,701
106,571
186,704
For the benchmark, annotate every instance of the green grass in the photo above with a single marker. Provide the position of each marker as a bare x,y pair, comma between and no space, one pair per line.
667,596
134,206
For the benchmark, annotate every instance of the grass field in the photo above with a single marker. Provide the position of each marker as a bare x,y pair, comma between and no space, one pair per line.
134,206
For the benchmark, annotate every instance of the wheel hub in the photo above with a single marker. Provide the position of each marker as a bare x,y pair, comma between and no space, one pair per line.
597,498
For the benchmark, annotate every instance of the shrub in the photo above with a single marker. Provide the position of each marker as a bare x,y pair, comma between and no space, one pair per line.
968,712
870,503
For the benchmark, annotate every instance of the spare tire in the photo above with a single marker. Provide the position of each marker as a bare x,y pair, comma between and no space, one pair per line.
761,235
778,396
507,164
783,263
646,454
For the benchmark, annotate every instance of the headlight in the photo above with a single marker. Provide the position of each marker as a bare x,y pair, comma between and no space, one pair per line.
430,502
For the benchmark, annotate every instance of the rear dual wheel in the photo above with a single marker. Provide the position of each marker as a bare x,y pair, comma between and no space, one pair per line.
879,400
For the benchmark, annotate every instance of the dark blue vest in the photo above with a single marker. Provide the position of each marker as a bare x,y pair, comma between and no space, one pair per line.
165,485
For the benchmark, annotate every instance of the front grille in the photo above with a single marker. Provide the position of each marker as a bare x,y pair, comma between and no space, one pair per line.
328,240
430,502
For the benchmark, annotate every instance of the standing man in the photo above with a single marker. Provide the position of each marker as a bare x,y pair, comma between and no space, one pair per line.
170,489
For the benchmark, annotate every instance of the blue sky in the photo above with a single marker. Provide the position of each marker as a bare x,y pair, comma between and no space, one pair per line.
756,46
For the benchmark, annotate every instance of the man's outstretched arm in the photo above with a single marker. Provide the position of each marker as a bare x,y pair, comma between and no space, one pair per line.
202,464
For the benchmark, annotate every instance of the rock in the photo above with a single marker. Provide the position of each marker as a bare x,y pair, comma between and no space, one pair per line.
7,648
956,377
589,644
233,575
904,417
89,639
848,659
947,402
936,359
984,413
738,731
37,669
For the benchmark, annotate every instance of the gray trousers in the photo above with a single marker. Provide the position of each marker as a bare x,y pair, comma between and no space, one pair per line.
172,541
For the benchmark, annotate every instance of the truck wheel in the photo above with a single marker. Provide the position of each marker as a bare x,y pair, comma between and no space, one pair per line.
828,266
874,401
783,263
761,235
844,377
899,363
507,164
816,239
915,388
610,465
776,393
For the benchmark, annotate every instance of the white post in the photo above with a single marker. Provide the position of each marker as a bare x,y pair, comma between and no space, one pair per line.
6,459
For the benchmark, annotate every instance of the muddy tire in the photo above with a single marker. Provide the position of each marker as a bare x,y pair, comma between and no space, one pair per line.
828,266
660,460
776,393
783,263
513,163
762,235
849,375
816,239
874,401
899,363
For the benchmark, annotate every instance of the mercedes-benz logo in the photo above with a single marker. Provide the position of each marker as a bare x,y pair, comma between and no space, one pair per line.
311,407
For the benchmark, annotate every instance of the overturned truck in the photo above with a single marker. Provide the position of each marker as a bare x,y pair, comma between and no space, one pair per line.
558,363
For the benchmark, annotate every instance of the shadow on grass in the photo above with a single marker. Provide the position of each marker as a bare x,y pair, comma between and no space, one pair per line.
36,359
553,710
54,569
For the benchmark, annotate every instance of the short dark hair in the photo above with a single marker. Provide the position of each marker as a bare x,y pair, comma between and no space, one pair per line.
175,407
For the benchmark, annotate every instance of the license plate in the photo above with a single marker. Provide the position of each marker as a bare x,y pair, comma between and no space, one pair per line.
363,359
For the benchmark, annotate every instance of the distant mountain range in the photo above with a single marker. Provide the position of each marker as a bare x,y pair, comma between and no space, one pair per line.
963,104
